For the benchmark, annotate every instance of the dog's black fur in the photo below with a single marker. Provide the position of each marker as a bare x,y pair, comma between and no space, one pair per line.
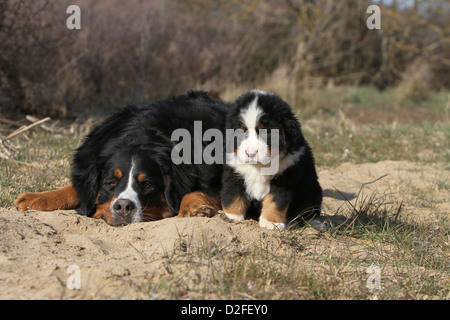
297,187
149,130
139,138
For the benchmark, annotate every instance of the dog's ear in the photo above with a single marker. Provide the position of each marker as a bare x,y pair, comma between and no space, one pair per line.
293,129
292,135
85,179
178,179
172,194
177,183
89,159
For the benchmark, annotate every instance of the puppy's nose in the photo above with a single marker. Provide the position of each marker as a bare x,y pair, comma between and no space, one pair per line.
124,207
251,153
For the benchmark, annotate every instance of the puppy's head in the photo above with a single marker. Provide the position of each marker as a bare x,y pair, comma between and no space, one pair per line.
264,127
131,189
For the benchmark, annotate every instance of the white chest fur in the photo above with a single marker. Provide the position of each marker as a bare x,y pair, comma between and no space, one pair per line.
257,185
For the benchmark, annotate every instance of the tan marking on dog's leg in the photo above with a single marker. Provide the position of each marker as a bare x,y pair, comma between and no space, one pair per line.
61,199
236,210
271,216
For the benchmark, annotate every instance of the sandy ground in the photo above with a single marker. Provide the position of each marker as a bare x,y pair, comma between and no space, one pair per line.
37,249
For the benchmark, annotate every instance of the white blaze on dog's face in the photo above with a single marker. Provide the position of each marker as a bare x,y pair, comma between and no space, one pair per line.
254,147
132,189
130,198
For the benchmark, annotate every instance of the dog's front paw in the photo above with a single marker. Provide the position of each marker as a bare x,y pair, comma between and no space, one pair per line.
264,223
31,201
197,204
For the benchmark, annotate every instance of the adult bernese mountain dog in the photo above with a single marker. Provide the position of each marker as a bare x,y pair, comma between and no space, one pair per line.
270,171
124,172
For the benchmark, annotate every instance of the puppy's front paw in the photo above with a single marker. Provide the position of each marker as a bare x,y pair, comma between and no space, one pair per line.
264,223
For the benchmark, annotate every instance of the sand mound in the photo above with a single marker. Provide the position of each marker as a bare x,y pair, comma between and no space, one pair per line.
37,249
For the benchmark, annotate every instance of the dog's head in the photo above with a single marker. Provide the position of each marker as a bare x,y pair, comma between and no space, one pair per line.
265,127
131,189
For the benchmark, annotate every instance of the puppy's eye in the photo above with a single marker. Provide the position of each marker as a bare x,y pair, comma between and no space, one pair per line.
242,127
147,185
111,184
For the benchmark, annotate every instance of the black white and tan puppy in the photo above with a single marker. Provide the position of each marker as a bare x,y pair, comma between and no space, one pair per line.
270,171
124,173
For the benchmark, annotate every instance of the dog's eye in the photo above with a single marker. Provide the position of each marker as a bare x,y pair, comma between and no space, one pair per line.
243,128
110,183
147,185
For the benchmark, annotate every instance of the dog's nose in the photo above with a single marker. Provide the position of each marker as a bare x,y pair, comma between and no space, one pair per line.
251,153
124,207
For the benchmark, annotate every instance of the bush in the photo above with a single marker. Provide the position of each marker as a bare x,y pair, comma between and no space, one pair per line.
137,51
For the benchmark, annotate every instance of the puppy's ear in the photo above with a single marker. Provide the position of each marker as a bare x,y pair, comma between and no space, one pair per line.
292,132
293,127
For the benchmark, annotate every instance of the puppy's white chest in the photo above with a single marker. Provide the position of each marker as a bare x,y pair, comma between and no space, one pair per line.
257,185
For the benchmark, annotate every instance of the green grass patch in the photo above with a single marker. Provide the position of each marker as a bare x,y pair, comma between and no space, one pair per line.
334,143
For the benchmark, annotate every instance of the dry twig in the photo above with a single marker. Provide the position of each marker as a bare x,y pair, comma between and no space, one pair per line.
7,152
23,129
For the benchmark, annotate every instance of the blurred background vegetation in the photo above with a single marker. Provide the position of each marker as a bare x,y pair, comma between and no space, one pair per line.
137,51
